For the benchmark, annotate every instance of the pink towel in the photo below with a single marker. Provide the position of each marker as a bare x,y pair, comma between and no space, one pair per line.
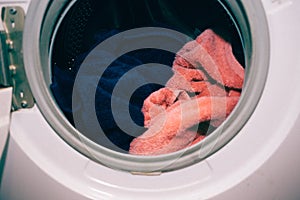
205,87
166,129
211,53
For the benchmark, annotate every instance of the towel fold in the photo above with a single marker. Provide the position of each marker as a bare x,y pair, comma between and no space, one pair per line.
205,87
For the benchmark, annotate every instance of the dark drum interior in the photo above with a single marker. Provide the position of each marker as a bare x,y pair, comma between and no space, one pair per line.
89,22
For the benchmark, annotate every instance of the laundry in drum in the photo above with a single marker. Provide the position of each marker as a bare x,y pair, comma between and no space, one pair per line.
63,82
194,101
205,88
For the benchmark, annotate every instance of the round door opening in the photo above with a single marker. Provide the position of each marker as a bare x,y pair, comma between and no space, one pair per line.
172,81
146,97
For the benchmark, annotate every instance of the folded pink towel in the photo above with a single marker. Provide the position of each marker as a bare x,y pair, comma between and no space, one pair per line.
205,86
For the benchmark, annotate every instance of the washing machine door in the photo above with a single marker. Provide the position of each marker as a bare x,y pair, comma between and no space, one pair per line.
42,31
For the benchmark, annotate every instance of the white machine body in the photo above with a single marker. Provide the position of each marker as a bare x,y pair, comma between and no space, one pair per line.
260,163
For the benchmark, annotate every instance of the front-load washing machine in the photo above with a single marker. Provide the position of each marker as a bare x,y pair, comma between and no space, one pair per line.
57,144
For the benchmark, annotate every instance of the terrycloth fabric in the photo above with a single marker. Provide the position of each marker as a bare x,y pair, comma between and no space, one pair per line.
167,132
159,101
211,53
205,87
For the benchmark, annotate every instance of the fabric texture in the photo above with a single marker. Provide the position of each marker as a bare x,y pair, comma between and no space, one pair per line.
205,87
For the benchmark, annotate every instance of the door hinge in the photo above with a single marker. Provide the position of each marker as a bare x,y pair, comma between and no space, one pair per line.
11,61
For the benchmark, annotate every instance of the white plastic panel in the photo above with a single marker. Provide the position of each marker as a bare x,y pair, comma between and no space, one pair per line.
23,179
267,162
39,164
276,5
260,163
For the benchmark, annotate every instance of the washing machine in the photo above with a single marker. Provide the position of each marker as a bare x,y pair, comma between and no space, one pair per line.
50,152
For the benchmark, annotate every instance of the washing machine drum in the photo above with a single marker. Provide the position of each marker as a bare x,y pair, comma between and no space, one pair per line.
89,23
100,60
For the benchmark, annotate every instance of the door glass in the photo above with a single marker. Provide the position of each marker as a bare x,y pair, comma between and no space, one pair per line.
90,22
